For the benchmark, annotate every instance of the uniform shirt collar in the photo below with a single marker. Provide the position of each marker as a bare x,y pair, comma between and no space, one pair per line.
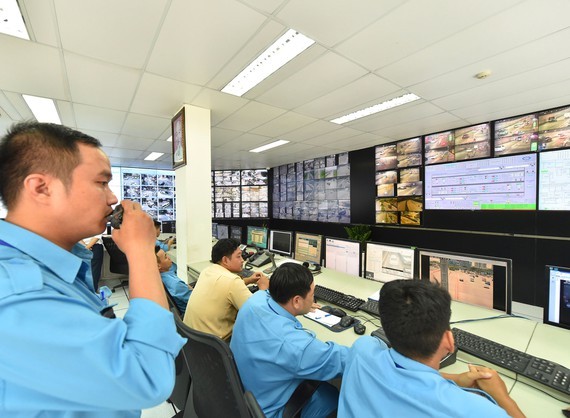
62,263
407,363
278,309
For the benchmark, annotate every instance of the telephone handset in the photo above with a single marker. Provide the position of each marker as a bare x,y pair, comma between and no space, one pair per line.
259,259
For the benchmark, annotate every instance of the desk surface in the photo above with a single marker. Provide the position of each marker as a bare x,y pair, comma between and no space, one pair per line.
522,334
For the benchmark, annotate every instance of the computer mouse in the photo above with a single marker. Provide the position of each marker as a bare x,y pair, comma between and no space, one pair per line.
326,308
346,321
359,329
337,312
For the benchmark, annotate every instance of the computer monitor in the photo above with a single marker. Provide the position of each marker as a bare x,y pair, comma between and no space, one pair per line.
343,255
503,183
557,311
168,227
308,247
553,182
478,280
387,262
214,230
223,231
235,232
257,237
280,242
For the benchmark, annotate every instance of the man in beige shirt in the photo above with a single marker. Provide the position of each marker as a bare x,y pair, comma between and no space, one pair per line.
220,292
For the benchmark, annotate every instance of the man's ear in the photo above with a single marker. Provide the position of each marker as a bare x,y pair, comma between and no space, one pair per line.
296,302
448,342
38,186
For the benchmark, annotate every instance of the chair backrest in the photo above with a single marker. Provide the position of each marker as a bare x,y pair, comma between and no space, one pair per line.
181,391
254,408
117,259
217,390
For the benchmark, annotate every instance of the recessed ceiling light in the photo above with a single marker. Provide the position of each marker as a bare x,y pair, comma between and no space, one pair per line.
169,139
389,104
269,146
154,156
11,20
43,109
287,47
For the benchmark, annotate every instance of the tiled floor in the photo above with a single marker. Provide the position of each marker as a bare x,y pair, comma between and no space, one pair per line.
120,298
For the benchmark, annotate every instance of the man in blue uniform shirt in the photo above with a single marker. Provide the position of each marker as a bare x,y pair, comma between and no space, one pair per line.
404,381
273,352
165,246
179,290
59,356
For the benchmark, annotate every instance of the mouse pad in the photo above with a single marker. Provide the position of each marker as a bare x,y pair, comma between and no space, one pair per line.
330,321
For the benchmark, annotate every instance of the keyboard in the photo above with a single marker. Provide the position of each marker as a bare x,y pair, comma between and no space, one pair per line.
544,374
370,306
349,302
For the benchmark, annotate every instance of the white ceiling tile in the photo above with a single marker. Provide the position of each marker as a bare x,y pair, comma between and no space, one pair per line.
23,75
425,126
39,16
133,143
332,137
97,83
106,138
123,153
268,6
95,118
330,21
360,141
119,32
17,101
161,146
221,104
181,51
315,80
160,96
251,116
144,126
66,114
283,124
222,136
8,107
365,89
317,128
480,41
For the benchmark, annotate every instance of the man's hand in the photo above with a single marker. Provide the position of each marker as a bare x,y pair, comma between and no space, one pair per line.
469,379
315,306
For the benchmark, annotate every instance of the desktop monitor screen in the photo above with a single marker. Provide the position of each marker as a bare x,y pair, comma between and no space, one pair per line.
308,247
490,184
554,182
257,237
557,311
385,263
280,242
343,255
478,280
168,227
223,231
235,232
214,230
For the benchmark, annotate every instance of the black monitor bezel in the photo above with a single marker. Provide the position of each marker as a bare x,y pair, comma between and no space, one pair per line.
321,237
386,244
509,271
270,242
546,320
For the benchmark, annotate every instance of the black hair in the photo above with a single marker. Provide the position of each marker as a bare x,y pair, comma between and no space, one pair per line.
288,281
157,224
224,248
414,314
34,147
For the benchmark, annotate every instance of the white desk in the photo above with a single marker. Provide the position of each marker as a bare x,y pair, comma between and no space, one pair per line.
522,334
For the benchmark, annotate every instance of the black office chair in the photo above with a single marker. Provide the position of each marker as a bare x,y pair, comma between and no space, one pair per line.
182,382
117,261
216,389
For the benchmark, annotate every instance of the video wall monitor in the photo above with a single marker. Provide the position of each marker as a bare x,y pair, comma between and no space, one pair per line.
385,263
169,227
516,135
214,230
554,182
308,247
223,231
343,255
257,237
235,232
477,280
281,242
554,129
503,183
557,311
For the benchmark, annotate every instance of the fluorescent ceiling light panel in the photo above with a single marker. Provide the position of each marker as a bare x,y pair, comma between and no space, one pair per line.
287,47
169,139
389,104
269,146
154,156
43,109
11,20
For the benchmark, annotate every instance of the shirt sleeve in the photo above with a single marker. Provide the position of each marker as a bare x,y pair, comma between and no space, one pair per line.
239,293
94,363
